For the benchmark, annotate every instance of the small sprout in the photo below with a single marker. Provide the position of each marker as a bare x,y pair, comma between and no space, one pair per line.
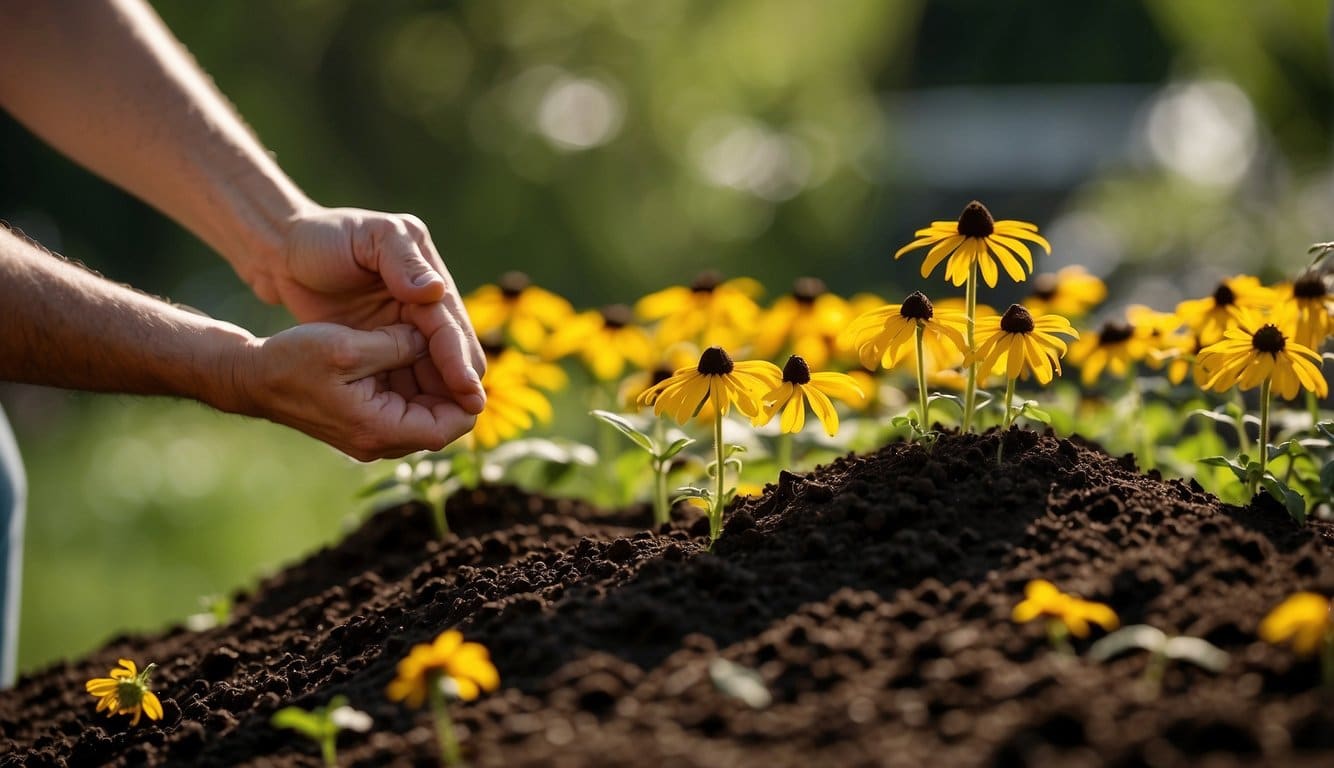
322,724
217,612
1065,614
741,683
449,668
660,454
126,692
1162,648
1305,622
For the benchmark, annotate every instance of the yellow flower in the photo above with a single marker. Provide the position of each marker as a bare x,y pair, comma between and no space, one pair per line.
1303,620
1248,358
1309,309
1210,316
806,322
605,340
126,692
1017,343
1116,347
886,335
1070,292
715,380
976,238
1043,599
799,387
466,667
512,402
518,308
709,311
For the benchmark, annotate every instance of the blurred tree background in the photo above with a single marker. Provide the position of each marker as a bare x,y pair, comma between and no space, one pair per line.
613,147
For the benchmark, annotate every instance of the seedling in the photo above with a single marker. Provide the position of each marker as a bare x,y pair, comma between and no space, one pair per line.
322,724
1162,650
660,457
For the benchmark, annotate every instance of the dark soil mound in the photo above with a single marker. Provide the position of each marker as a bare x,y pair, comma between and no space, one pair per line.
872,596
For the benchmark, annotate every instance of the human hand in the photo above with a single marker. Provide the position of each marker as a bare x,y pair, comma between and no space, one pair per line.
326,381
367,270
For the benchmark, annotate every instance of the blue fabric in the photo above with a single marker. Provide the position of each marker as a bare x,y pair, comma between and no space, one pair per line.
13,495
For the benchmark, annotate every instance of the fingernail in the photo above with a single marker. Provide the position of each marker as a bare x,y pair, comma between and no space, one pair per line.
424,279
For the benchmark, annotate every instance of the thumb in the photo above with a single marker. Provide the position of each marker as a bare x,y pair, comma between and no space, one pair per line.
383,349
407,274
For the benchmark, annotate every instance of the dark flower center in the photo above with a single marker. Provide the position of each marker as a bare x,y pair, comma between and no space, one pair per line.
617,316
1223,296
1310,286
1044,287
1269,339
807,289
797,371
706,281
976,221
1114,332
492,344
917,307
715,362
660,374
512,283
1016,320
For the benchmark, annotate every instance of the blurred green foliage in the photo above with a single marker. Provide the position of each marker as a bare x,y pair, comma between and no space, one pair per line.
609,148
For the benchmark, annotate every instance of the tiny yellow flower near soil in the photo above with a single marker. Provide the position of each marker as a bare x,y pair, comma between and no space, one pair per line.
1303,621
977,239
126,692
710,311
1254,353
715,380
1043,600
1210,316
466,667
799,387
517,308
1017,343
1069,292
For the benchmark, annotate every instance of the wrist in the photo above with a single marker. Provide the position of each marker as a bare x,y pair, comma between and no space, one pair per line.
229,380
257,252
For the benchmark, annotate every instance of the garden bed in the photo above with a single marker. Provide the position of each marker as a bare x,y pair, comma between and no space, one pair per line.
872,595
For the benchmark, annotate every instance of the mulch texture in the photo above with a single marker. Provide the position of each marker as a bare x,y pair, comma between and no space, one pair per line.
872,596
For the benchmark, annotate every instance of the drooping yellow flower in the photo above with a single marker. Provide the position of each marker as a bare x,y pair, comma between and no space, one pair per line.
1043,600
716,381
885,336
606,340
708,312
1234,297
1017,342
1069,292
977,238
513,402
1307,307
517,308
1116,347
806,322
1247,358
799,387
126,692
463,666
1303,620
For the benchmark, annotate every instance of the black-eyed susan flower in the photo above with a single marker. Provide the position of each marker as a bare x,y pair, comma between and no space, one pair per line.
606,340
1069,292
977,242
710,311
1065,614
800,387
1309,309
446,667
1263,356
515,307
514,404
1017,343
715,380
126,692
806,322
1234,297
1116,347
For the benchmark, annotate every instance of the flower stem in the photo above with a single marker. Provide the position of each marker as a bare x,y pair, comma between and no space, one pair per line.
784,450
1264,433
970,390
1059,637
716,509
328,750
661,509
1007,420
444,727
922,405
1243,439
1327,661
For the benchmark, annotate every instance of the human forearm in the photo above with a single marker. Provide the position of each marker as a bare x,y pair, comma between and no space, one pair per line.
108,85
63,326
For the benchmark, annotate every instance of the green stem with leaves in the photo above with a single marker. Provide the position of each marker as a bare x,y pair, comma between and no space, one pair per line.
716,507
1264,433
970,390
922,404
1007,420
661,508
450,754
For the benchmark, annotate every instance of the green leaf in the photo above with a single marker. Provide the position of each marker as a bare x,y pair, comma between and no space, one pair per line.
1221,418
676,448
903,421
1197,651
377,487
1031,410
297,719
952,399
1291,500
1222,461
691,492
1135,636
732,450
626,428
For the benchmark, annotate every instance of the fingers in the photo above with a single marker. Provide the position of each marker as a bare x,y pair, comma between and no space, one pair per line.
391,426
367,353
451,299
402,263
451,353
